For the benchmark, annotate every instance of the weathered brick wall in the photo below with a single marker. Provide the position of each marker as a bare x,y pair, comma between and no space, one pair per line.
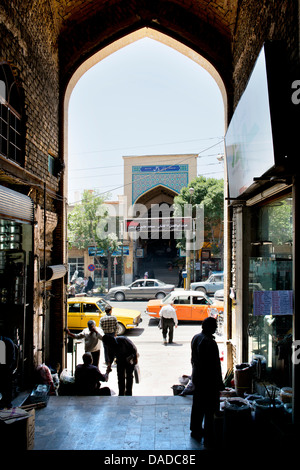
229,34
194,23
27,42
256,23
30,38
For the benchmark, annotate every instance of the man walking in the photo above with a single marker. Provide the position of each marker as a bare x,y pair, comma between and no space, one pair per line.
168,319
92,340
207,380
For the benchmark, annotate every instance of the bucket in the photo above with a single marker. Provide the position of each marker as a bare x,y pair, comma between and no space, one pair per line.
177,389
243,379
267,409
237,422
286,395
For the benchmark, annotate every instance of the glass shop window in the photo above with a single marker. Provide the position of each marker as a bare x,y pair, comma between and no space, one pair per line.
12,263
270,317
76,268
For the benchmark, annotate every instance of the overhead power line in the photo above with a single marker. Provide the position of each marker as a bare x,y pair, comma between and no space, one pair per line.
159,171
143,146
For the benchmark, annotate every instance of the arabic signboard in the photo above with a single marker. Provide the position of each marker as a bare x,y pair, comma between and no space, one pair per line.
158,225
159,168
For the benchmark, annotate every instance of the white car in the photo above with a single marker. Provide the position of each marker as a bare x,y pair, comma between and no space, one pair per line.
219,295
211,285
141,289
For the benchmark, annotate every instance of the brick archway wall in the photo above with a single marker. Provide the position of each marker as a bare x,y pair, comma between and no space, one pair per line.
224,36
119,44
203,26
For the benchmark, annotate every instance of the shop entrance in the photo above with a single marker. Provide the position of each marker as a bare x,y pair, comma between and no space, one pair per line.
270,319
156,253
15,301
160,260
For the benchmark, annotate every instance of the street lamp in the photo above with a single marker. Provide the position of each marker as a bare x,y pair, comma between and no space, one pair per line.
187,249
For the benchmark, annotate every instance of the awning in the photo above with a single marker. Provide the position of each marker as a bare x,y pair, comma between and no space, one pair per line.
55,272
15,206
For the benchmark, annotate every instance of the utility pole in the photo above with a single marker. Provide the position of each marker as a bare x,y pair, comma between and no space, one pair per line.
188,251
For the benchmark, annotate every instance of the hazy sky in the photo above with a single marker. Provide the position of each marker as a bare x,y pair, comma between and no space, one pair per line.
145,99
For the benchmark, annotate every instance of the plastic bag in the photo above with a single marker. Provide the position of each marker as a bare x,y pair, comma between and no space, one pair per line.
189,389
184,379
66,377
137,374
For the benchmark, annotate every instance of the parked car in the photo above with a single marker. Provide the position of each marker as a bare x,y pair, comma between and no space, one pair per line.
219,295
189,305
83,309
211,285
141,289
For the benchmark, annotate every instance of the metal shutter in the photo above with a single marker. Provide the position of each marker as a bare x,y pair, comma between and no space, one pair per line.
15,205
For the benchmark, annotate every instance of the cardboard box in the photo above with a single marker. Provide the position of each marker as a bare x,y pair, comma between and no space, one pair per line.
30,430
18,434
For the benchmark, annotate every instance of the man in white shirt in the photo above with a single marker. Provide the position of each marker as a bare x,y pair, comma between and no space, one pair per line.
92,340
168,319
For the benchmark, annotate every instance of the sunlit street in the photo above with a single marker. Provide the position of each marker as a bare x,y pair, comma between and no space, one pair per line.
160,365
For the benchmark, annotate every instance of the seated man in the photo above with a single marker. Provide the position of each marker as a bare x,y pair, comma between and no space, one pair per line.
88,378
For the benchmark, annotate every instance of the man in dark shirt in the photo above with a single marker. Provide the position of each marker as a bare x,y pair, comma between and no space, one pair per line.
109,325
88,378
127,357
207,380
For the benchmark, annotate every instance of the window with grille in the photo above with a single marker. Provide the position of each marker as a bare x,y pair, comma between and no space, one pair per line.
76,268
10,116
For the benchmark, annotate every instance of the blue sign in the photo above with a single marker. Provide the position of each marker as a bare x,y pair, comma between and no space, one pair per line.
159,168
99,252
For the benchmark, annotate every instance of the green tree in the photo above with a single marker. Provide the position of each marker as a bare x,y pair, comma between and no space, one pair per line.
210,193
280,227
89,225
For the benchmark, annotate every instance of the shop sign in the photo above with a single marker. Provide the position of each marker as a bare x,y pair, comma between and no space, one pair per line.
139,253
276,302
158,225
256,138
99,252
159,168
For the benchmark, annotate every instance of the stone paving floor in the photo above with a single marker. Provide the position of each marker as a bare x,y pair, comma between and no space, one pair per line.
115,423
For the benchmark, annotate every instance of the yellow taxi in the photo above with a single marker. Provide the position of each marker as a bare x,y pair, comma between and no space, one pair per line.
83,309
189,305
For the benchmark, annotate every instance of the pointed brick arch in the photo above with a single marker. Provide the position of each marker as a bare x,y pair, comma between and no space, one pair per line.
86,27
123,42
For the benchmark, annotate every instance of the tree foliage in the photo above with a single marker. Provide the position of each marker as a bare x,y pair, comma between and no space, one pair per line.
279,228
210,193
88,225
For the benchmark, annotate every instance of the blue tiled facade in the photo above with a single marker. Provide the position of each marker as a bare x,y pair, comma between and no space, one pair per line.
147,177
